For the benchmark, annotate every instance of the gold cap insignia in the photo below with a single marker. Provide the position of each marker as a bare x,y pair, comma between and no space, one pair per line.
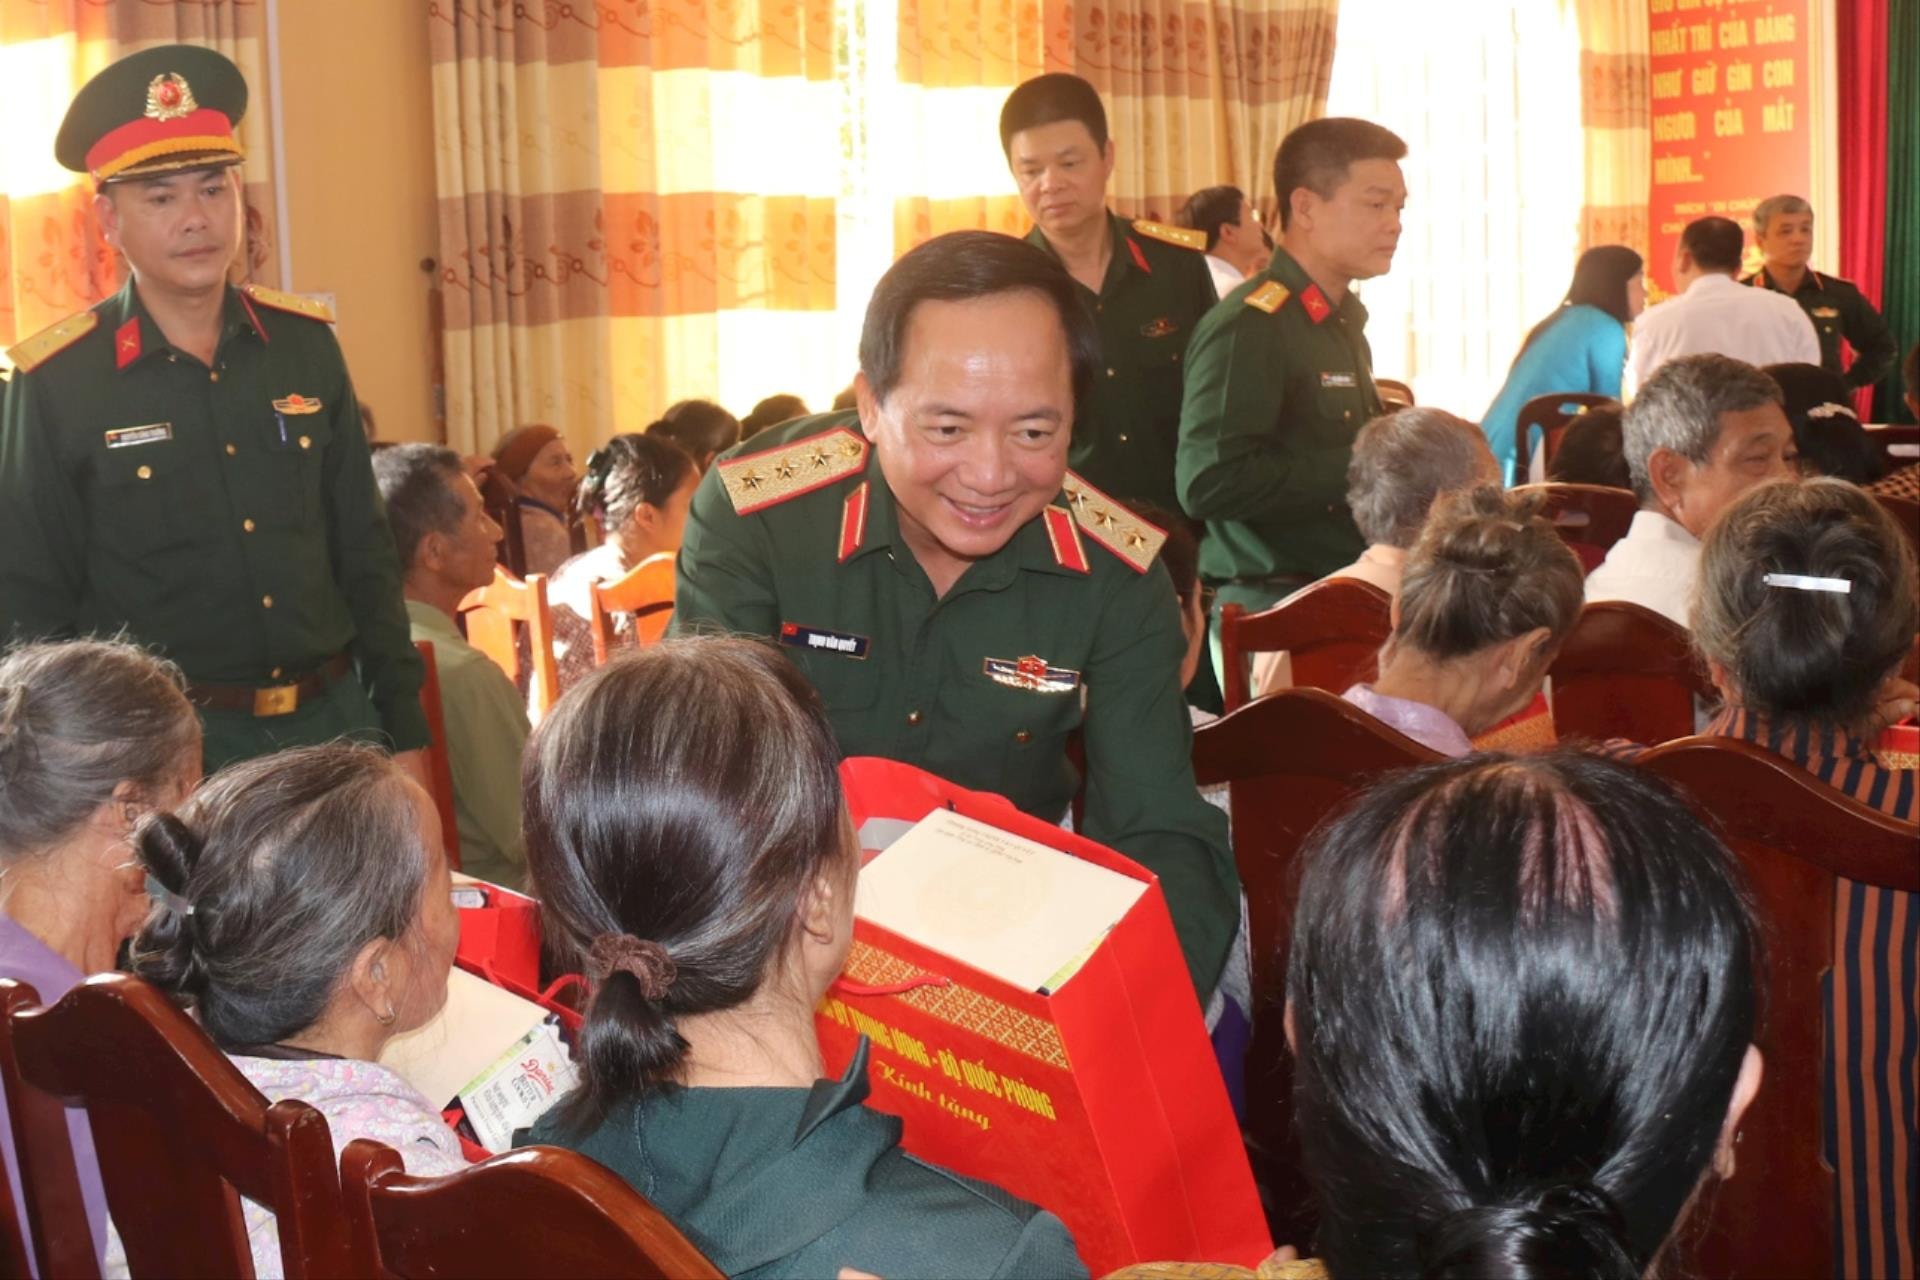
169,97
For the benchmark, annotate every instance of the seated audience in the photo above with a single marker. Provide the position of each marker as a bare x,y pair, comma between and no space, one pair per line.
1703,431
1488,594
303,912
1805,613
1522,998
846,399
1237,246
1904,480
691,851
92,735
1403,463
1826,430
1592,450
536,459
701,428
771,412
639,487
1581,347
445,540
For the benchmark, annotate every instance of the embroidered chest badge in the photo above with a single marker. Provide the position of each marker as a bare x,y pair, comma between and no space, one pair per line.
1159,328
1032,674
296,403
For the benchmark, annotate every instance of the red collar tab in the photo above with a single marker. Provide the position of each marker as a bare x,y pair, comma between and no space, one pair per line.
1064,535
1139,258
126,343
1318,308
853,521
253,317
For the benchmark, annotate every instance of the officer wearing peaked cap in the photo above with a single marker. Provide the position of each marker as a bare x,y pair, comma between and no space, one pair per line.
185,462
962,601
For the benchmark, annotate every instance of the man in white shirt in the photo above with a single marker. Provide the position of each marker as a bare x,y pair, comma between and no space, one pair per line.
1237,246
1715,312
1703,431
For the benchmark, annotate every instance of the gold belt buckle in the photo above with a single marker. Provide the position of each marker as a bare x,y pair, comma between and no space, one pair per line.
279,700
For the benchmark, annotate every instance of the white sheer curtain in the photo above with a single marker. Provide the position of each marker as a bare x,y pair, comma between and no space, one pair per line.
1487,96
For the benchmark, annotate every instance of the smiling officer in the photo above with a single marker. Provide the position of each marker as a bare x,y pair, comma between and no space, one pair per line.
185,461
959,598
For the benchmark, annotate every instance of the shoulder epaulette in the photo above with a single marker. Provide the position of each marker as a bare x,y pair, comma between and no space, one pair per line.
1185,237
762,480
1113,526
1268,297
291,302
29,353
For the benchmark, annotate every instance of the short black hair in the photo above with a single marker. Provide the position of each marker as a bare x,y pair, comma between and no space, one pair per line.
958,267
1713,243
1826,430
1050,99
417,482
1593,450
771,412
1210,209
700,427
1317,155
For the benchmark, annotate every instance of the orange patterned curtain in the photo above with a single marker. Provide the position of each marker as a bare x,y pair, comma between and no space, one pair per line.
52,260
1615,116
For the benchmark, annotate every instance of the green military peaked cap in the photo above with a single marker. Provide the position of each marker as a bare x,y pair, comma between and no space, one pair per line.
156,111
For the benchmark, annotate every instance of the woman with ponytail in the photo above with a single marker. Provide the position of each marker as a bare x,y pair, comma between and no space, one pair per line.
688,842
1805,613
93,734
302,911
1521,995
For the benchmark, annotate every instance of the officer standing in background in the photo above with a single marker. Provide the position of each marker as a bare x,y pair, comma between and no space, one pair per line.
961,600
1146,284
1280,378
184,460
1783,230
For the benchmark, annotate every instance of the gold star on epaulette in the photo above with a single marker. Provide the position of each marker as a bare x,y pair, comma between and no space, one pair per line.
1113,526
763,480
29,353
1185,237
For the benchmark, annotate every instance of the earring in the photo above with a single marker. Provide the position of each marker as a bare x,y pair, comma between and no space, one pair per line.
386,1019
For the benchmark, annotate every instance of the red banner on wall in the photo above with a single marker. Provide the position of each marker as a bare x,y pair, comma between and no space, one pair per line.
1733,119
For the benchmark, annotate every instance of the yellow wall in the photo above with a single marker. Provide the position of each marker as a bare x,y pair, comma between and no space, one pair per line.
357,110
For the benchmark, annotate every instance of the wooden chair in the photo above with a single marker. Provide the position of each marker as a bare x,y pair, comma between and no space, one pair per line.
51,1223
1550,414
1905,513
1333,629
1587,515
1626,672
537,1212
501,497
181,1134
1887,436
1394,393
491,616
1795,836
646,593
1288,761
439,763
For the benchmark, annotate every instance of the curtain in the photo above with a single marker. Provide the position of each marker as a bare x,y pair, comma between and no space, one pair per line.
52,260
1900,295
1615,123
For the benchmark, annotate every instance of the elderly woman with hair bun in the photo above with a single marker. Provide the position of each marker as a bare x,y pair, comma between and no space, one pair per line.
303,912
93,734
1805,612
691,851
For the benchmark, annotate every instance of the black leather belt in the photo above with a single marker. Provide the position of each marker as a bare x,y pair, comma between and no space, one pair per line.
274,699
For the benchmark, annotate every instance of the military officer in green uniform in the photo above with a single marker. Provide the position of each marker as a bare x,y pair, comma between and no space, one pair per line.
1146,283
1280,378
1783,230
960,599
185,462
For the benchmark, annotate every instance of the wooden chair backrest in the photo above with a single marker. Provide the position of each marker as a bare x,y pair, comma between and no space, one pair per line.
491,615
534,1212
646,592
1551,414
181,1134
501,497
439,763
1288,760
1905,513
51,1222
1885,435
1794,836
1626,672
1394,393
1333,630
1590,515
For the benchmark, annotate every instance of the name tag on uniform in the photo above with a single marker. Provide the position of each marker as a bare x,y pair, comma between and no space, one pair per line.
1827,313
128,437
845,643
1338,380
1032,674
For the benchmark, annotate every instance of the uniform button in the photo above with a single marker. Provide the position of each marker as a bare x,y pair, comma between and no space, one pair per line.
247,525
145,473
266,602
1123,438
306,442
914,717
274,674
213,375
231,451
1022,737
1110,373
1348,415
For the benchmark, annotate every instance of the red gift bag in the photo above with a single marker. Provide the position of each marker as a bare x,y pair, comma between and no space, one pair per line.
501,943
1101,1102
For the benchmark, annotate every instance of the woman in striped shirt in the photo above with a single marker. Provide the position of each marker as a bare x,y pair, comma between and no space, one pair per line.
1805,613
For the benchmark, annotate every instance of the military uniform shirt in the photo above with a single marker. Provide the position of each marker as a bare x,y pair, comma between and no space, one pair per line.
1279,381
1839,310
1152,298
225,515
904,675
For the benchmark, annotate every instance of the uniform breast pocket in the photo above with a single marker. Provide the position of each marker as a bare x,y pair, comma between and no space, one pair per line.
1341,408
845,682
296,447
1029,728
148,498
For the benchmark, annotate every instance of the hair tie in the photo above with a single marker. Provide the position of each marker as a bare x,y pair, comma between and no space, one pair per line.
1831,410
167,897
1801,582
644,958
